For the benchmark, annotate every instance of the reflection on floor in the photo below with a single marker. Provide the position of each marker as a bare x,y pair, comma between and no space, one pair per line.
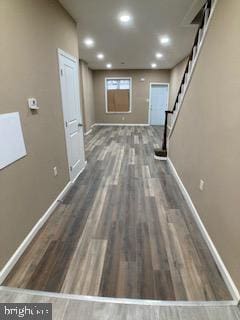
124,230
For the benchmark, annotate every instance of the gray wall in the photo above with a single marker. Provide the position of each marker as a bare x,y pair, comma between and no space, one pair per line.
31,32
88,104
205,143
140,94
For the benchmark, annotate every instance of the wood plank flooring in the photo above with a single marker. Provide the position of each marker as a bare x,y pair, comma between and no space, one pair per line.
70,309
123,230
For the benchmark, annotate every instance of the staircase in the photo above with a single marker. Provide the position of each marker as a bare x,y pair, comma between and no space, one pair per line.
208,7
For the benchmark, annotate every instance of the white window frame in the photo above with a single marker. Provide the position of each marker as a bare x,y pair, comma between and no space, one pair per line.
130,95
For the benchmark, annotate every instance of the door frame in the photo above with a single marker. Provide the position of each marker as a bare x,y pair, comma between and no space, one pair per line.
60,53
150,97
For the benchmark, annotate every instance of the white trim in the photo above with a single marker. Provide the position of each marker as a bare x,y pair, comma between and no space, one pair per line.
150,97
118,112
194,62
67,55
222,268
160,158
125,301
75,179
88,132
123,124
23,246
130,95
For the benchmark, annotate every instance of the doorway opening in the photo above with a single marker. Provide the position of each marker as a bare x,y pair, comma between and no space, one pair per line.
158,103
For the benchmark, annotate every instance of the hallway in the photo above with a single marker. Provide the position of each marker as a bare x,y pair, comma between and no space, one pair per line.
123,230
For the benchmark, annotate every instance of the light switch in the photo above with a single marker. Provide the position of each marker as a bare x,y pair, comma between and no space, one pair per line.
55,171
32,103
201,185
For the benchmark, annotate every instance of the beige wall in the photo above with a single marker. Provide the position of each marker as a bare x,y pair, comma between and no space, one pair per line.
30,33
87,96
176,76
205,143
140,94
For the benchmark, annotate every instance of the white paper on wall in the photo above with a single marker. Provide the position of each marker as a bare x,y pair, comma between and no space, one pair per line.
12,146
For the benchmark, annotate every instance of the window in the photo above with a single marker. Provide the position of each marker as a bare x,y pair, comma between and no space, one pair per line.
118,93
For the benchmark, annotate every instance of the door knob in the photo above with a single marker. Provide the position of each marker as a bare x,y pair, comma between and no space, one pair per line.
80,125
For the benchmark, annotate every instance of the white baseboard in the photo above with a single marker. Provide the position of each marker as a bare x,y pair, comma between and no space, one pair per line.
125,301
160,158
123,124
23,246
221,266
88,132
79,173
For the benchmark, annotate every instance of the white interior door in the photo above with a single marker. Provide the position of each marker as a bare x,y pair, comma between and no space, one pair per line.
158,103
68,67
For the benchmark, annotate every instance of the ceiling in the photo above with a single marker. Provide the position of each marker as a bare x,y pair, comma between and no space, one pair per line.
134,46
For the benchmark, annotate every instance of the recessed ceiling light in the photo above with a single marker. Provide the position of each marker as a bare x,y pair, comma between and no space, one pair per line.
109,65
164,40
100,56
159,55
125,18
89,42
153,65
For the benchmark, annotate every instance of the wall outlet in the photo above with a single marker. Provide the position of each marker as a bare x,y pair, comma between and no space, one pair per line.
55,172
32,104
123,118
201,185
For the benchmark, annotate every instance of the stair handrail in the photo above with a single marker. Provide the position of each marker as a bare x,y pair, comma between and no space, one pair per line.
207,5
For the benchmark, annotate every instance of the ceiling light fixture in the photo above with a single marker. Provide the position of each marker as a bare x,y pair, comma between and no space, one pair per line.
159,55
100,56
165,40
153,65
125,18
89,42
109,65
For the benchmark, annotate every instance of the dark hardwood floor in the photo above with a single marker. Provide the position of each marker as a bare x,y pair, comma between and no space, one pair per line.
123,230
